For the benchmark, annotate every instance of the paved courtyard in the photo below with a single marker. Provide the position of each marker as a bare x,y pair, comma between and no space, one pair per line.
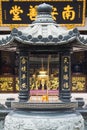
39,98
4,96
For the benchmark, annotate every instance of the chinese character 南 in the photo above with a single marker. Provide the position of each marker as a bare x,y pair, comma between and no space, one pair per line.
68,13
32,12
16,11
54,12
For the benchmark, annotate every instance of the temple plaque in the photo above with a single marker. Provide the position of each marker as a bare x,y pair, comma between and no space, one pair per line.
14,13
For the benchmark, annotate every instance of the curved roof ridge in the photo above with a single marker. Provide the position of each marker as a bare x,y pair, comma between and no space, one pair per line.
30,30
43,32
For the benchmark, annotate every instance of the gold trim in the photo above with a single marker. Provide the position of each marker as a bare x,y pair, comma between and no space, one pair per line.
71,26
79,83
80,0
84,11
4,0
15,26
6,83
68,26
40,0
0,13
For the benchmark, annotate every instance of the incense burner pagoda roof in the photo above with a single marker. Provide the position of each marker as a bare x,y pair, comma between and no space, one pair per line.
43,31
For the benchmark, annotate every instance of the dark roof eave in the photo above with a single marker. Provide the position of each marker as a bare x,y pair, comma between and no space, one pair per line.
15,41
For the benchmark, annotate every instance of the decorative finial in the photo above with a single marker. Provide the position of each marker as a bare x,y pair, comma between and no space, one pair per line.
44,9
44,14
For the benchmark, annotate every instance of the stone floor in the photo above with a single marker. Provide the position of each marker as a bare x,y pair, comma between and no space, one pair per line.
2,124
84,114
4,96
74,95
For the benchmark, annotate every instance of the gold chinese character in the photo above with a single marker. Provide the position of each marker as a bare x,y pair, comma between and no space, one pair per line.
23,76
66,85
54,12
32,12
16,11
66,77
23,68
65,68
68,13
80,85
23,60
24,85
65,60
